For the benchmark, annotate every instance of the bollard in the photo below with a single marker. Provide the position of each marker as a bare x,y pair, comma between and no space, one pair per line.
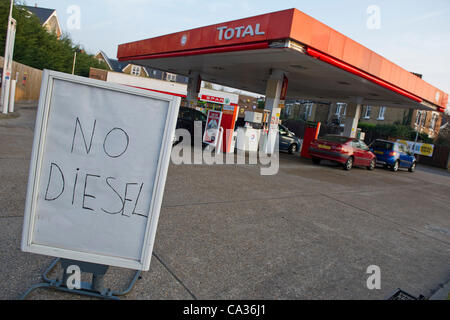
12,96
5,101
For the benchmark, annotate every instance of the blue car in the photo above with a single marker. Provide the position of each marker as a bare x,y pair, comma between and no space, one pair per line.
393,155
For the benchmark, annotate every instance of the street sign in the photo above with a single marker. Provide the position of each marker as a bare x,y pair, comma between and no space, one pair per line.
98,169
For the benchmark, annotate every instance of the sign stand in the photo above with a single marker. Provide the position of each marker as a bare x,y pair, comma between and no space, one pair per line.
95,288
218,146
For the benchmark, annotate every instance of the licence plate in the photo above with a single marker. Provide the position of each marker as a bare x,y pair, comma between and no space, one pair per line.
379,152
322,146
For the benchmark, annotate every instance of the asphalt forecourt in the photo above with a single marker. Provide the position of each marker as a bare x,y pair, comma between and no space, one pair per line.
228,232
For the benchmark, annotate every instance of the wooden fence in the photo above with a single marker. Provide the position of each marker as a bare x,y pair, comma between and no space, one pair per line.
28,82
440,158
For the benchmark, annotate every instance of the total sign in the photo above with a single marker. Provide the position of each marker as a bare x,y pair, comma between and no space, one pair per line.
239,32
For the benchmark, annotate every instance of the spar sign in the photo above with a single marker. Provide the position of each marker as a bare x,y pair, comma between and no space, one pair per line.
212,127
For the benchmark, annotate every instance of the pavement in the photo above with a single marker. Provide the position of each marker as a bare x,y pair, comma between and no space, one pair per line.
226,232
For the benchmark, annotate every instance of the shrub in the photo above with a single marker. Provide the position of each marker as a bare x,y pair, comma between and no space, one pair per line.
391,132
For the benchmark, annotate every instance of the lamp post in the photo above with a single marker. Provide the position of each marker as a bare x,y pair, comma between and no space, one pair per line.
74,62
77,50
8,58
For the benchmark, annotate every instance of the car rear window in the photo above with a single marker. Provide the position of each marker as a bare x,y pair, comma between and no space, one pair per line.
337,139
383,145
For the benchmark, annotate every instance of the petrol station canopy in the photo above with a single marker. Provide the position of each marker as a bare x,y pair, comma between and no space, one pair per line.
321,64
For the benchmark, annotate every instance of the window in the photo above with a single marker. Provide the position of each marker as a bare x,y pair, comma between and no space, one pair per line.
381,113
367,113
287,110
384,145
171,77
363,146
136,70
355,144
402,148
423,119
282,130
338,109
334,138
433,121
418,118
308,110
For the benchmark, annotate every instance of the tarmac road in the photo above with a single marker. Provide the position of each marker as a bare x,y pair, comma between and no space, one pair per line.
226,232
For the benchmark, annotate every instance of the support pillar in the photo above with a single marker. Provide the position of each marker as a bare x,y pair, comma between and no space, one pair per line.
193,89
353,113
275,94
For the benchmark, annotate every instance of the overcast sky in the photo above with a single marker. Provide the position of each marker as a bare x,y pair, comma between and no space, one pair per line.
413,34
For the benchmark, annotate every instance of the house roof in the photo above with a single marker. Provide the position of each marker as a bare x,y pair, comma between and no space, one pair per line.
119,66
42,13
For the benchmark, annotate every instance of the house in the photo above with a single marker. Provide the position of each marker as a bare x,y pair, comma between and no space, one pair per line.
135,70
428,122
48,18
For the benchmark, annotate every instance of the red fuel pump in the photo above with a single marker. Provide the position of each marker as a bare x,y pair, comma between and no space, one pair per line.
229,116
311,133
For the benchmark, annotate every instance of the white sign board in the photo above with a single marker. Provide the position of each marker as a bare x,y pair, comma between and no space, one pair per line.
212,130
424,149
98,169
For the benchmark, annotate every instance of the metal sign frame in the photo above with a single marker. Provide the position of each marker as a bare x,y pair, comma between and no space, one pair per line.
214,144
36,165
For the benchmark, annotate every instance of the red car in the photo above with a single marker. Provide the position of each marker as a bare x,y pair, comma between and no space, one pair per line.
349,152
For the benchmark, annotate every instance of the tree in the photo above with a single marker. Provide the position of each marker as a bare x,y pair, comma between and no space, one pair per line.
37,48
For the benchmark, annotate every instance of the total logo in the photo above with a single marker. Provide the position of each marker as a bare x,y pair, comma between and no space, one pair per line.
239,32
183,40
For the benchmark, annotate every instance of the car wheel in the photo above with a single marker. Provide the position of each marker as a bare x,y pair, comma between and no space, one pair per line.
293,148
348,164
316,160
395,166
412,168
372,165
